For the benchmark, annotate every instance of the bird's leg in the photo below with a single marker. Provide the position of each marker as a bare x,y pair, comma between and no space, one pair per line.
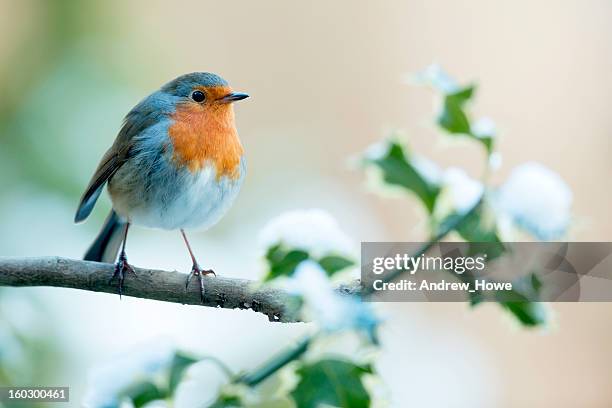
196,270
122,267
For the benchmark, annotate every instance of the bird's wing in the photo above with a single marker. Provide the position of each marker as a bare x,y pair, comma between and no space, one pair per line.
109,164
135,122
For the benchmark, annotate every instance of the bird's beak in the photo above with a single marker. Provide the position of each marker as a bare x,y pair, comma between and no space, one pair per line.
232,97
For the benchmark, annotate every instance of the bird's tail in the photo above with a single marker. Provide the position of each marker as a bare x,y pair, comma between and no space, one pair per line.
106,246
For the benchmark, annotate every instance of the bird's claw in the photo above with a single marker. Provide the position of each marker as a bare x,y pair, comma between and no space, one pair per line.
122,268
200,273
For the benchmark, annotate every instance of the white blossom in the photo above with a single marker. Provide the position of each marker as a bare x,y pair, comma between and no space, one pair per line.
537,199
377,151
495,161
427,169
484,127
311,230
460,191
202,386
333,311
108,379
435,75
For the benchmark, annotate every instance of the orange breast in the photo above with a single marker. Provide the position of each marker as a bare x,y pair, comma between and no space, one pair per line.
206,133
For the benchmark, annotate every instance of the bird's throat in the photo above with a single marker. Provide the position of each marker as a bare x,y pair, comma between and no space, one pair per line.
206,134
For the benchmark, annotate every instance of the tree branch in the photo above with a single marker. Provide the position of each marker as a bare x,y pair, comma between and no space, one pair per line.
166,286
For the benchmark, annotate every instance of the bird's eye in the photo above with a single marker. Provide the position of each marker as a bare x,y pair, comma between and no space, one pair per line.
198,96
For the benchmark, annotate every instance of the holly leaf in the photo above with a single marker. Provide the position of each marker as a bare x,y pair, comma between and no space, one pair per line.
456,121
398,170
333,382
335,263
528,313
522,300
147,390
180,363
283,261
453,117
226,401
487,141
482,238
143,392
479,229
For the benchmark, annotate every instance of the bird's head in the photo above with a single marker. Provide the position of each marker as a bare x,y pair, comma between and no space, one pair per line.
201,91
203,127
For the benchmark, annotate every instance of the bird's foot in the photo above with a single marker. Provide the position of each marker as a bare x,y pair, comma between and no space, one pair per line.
200,273
122,268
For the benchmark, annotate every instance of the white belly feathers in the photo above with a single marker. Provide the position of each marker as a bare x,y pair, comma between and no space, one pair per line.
170,198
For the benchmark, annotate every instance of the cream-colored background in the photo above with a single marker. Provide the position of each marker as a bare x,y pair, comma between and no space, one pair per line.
327,79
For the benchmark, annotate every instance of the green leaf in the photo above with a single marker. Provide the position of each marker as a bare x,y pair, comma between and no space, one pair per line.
226,401
146,390
522,300
334,263
480,231
523,308
143,392
453,117
487,141
483,239
398,170
477,228
180,363
282,261
536,283
528,313
334,382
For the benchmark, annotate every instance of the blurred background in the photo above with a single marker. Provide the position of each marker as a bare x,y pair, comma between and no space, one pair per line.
326,80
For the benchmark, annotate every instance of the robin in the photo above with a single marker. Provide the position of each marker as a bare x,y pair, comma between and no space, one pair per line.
176,163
